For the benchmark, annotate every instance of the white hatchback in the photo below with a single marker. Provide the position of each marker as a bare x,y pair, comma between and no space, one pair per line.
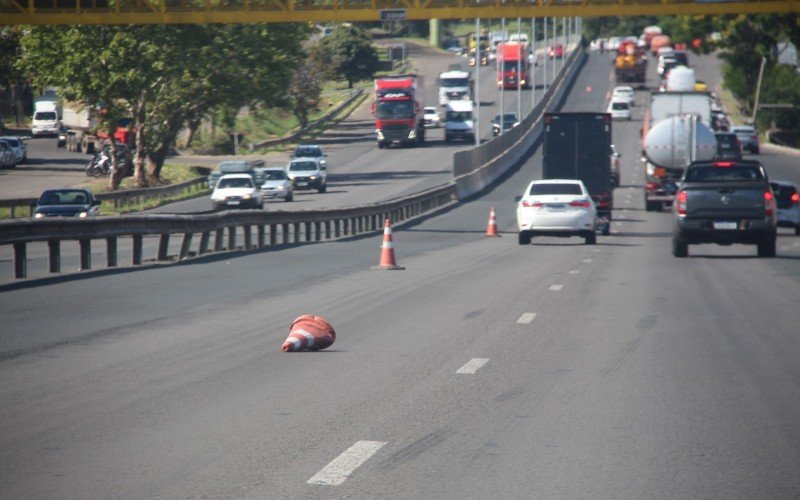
236,191
556,207
619,110
623,93
431,117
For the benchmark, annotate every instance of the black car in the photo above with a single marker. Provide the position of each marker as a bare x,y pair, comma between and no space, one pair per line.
728,146
66,203
510,120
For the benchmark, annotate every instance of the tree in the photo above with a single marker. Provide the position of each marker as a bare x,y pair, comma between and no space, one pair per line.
349,54
10,77
304,90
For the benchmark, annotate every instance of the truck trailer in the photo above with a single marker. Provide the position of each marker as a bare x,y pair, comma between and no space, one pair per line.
83,132
576,146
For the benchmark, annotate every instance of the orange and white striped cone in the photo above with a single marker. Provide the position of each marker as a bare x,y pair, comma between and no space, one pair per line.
309,333
387,250
491,227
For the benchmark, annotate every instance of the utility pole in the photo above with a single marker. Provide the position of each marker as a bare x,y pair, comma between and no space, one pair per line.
477,81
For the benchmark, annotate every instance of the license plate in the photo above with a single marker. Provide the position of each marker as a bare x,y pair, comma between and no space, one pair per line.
556,208
233,202
302,184
725,225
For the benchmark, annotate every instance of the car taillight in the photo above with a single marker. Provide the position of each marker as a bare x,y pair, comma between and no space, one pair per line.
769,203
723,164
681,203
795,198
580,203
531,204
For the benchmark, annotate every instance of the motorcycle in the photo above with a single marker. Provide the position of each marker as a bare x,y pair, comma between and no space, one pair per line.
100,164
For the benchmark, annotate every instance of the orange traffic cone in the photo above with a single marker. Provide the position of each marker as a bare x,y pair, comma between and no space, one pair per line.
309,333
387,250
491,228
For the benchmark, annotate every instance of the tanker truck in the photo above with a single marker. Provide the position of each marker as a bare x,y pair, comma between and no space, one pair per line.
669,147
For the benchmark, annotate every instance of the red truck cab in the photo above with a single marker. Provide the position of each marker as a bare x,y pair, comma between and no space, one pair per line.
512,66
398,110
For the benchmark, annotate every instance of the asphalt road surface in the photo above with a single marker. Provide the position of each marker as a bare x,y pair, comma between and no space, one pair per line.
485,369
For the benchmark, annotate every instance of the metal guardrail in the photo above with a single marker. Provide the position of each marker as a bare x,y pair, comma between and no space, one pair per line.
118,198
272,228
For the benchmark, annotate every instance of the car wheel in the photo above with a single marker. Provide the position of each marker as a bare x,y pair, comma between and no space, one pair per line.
289,197
524,238
446,138
606,228
680,248
766,248
755,151
323,189
591,239
797,231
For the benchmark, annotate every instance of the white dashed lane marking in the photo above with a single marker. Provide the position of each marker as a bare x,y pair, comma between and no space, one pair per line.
574,271
473,365
342,467
586,261
526,318
555,288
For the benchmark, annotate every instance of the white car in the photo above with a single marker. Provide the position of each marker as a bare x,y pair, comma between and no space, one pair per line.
431,117
18,145
619,110
623,93
556,207
308,173
236,191
276,184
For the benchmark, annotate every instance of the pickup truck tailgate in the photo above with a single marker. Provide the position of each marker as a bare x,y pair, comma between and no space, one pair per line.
730,201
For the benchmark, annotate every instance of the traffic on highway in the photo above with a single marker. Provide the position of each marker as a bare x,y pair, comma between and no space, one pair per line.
629,329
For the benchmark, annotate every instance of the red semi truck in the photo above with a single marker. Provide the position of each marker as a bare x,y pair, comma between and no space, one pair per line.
512,66
398,110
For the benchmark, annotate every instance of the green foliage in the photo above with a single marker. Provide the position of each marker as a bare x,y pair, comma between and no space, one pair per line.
305,89
348,54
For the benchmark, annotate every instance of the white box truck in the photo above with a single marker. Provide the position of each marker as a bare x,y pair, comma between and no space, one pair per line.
459,122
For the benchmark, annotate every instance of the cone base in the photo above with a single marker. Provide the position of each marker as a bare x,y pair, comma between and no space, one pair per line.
493,235
388,268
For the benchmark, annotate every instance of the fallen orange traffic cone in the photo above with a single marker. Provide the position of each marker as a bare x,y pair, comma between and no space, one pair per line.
309,333
491,228
387,250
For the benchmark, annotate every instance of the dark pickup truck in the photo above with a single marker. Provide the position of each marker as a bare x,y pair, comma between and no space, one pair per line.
725,202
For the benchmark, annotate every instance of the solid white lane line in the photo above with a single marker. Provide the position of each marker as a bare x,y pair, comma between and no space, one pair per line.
555,288
586,261
526,318
574,271
473,365
342,467
617,223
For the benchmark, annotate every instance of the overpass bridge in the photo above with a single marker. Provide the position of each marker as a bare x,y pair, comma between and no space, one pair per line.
54,12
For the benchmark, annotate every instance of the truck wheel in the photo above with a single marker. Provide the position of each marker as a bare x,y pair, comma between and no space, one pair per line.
766,248
607,228
648,206
679,247
446,138
524,238
591,239
381,145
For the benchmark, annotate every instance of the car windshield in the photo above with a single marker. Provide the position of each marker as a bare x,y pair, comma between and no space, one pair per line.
275,175
303,166
12,142
455,82
459,116
311,152
619,105
508,118
232,166
64,197
545,188
783,194
235,182
44,115
430,111
724,172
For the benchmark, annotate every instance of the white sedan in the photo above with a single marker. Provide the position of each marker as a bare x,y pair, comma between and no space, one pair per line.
556,207
623,93
431,117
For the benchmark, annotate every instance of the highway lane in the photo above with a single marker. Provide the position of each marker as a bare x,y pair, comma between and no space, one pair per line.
641,376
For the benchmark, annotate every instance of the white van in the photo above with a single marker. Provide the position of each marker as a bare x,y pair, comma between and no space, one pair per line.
45,118
459,122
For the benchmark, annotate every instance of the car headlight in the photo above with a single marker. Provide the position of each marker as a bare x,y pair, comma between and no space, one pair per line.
38,215
83,215
380,134
247,196
412,134
312,177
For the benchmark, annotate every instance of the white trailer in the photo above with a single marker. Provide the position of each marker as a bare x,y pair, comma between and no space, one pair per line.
455,85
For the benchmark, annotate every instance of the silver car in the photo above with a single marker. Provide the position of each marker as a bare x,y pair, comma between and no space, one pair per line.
8,158
787,198
18,145
308,173
276,184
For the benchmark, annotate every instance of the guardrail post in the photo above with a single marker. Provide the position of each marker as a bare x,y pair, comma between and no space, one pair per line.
337,228
285,233
20,260
273,234
163,247
359,225
231,238
297,232
248,237
86,254
317,231
54,251
204,243
111,251
137,250
12,211
309,231
327,229
261,238
219,237
186,245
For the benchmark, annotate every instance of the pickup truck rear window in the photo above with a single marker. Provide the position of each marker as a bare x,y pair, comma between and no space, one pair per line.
733,173
541,189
